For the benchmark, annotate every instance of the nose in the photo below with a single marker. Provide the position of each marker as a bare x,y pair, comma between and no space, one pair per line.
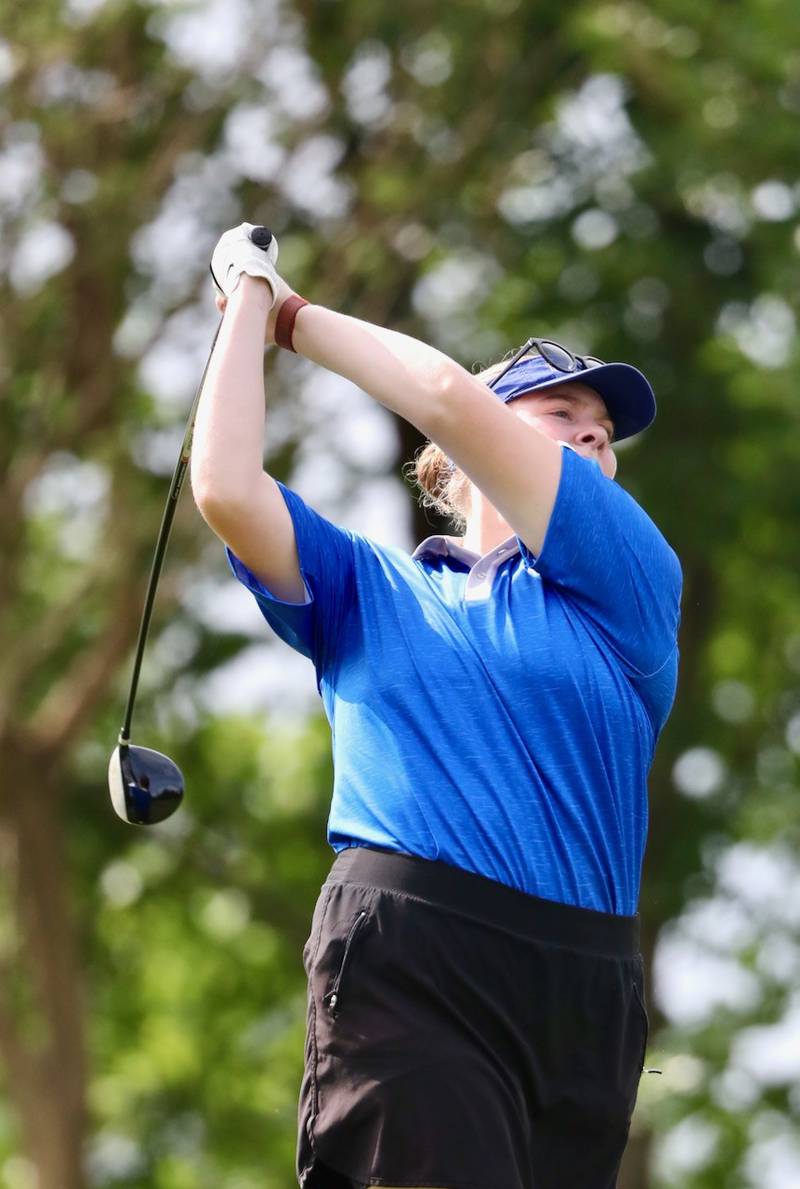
594,436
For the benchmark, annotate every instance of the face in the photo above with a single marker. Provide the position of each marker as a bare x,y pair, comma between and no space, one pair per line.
575,414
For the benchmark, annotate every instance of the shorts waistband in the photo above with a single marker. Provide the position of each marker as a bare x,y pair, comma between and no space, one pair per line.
489,901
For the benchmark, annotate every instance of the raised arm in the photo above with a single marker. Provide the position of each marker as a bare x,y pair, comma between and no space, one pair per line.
516,467
235,496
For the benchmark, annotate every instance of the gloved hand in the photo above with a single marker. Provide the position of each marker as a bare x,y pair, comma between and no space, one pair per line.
236,253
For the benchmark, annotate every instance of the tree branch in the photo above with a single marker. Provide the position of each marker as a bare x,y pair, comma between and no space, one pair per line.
73,699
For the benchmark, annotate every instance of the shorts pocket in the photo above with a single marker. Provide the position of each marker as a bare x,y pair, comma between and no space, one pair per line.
638,999
335,997
317,921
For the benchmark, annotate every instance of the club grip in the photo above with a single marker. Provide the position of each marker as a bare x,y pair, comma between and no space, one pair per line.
261,237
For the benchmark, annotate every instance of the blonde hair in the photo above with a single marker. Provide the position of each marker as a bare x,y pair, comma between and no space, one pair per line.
443,487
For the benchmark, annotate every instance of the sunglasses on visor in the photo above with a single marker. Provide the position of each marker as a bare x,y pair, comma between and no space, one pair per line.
559,357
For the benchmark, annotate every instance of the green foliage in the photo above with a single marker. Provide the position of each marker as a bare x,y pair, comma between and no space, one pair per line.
193,934
618,175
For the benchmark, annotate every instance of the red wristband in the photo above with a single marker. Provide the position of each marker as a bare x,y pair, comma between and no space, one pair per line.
284,324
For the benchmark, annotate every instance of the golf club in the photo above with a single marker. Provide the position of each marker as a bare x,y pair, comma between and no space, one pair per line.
145,786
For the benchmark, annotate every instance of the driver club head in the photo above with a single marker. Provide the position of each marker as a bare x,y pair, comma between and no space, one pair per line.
146,787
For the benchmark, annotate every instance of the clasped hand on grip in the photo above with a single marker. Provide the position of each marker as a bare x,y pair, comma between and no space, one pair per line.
247,248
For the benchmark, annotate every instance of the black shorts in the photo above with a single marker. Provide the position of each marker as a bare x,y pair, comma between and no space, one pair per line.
465,1035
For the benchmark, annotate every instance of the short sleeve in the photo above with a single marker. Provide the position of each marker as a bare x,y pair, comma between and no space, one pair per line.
605,553
326,554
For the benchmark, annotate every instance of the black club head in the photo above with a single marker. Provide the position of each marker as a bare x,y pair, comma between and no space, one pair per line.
261,237
146,787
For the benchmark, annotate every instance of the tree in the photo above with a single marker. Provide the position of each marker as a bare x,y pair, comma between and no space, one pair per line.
615,176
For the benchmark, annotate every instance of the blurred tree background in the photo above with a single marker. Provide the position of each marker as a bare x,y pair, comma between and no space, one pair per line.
620,176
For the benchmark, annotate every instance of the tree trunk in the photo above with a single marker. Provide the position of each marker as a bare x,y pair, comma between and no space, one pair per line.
634,1173
41,1009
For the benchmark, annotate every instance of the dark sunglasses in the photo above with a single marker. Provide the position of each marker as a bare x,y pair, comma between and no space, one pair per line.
562,359
559,357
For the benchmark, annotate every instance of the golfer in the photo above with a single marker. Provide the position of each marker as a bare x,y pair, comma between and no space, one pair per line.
476,1013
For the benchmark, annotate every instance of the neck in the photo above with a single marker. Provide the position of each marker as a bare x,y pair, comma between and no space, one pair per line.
486,528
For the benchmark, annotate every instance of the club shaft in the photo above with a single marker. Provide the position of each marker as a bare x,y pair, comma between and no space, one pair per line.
161,546
166,525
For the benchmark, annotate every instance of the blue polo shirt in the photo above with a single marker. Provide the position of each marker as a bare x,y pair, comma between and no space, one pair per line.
498,713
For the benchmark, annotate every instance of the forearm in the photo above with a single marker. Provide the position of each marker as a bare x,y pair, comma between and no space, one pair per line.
228,442
400,372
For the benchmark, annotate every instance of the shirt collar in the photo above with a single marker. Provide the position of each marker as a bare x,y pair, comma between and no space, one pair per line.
442,546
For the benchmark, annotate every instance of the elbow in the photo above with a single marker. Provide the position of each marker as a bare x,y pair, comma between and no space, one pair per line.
205,491
223,512
207,502
222,476
446,387
213,497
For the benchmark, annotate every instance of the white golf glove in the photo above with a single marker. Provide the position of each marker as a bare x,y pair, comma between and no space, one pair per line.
236,253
